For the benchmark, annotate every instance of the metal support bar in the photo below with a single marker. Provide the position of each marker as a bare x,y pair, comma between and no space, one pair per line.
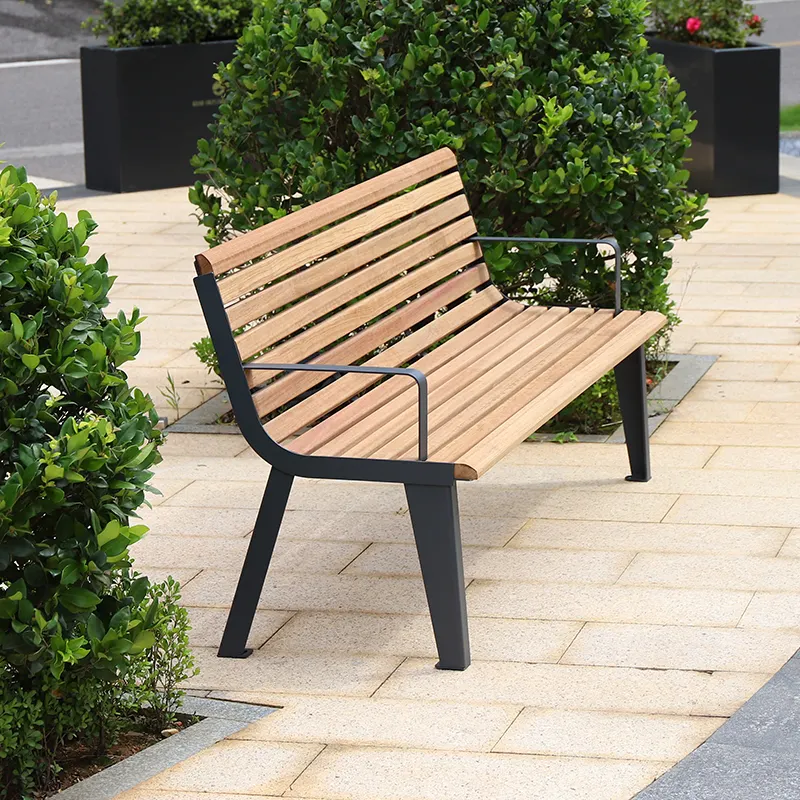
434,517
609,240
256,564
421,380
632,387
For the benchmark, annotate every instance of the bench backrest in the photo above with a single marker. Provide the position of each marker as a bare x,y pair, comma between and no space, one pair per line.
337,280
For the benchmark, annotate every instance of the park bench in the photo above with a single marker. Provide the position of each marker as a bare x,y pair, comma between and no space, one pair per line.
361,339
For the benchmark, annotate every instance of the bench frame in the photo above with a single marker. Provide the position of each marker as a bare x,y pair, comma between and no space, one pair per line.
430,487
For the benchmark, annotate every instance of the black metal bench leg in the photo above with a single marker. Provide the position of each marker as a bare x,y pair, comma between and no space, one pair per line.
256,563
632,386
434,516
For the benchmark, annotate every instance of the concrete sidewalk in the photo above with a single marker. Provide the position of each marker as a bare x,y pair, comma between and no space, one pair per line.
615,625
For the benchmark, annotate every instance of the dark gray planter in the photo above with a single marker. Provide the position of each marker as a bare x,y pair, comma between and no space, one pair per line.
144,108
735,97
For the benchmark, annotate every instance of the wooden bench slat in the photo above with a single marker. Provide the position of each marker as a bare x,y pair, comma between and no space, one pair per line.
285,261
506,366
360,409
500,432
346,387
261,336
355,347
392,420
468,409
248,246
367,309
318,275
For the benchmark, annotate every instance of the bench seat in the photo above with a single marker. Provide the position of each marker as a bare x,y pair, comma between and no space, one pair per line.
491,385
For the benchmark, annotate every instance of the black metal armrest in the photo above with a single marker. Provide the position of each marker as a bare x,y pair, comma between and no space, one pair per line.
421,380
609,240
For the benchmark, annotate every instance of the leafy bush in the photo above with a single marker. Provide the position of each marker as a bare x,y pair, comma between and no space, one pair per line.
713,23
564,125
134,23
76,447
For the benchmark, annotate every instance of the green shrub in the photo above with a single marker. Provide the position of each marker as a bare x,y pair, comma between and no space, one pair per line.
713,23
76,447
134,23
563,123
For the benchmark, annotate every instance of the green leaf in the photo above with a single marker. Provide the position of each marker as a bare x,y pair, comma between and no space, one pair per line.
30,360
77,599
143,641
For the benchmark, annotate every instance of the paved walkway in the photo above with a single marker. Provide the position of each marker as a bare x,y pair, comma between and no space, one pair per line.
615,626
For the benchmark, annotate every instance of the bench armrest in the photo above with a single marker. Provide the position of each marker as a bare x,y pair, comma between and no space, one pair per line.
421,380
609,240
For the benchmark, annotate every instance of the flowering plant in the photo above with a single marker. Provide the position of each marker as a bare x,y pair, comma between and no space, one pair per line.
711,23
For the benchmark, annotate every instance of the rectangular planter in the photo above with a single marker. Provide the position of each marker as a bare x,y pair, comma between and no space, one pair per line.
144,108
735,97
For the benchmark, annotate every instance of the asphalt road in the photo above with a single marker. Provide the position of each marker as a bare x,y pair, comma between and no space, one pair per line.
41,102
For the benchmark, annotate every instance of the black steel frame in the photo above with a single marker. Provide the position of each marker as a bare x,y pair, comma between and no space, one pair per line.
430,486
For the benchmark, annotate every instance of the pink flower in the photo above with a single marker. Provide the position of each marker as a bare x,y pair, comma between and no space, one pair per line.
693,24
755,21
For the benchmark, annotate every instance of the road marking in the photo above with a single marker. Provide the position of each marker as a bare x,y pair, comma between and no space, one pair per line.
45,62
42,151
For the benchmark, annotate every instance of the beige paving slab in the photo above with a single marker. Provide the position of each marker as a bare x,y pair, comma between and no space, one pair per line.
594,734
744,391
739,371
729,433
369,527
565,686
738,573
781,459
169,794
749,352
733,335
791,547
284,592
214,468
711,411
787,413
292,674
203,444
681,647
212,522
791,372
411,635
500,564
650,537
773,610
578,454
165,488
565,503
239,767
228,554
209,623
770,511
374,774
635,604
384,723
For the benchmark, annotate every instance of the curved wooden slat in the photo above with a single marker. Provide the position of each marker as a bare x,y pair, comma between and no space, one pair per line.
253,244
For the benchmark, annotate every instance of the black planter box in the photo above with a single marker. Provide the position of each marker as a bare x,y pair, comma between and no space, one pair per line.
144,108
735,96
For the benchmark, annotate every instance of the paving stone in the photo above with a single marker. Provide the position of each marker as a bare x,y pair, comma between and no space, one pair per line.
773,610
780,459
353,773
284,592
739,573
674,647
634,604
240,767
292,674
384,723
216,523
500,564
778,511
209,623
411,635
569,687
746,390
605,735
651,537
